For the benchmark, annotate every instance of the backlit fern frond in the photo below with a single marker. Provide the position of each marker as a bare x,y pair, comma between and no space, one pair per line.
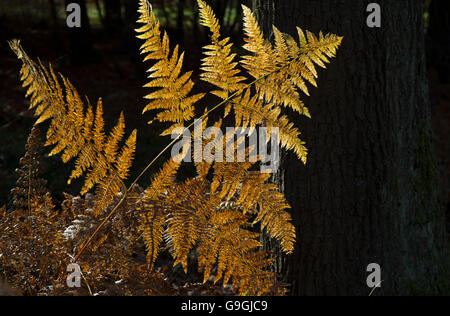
227,178
173,89
213,211
286,65
219,67
261,62
293,65
270,64
187,217
235,249
252,194
260,198
279,71
77,131
252,111
199,219
153,209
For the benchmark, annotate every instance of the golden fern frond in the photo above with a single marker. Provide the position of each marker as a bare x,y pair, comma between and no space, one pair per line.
111,167
250,192
256,196
152,226
228,170
112,144
286,66
172,96
274,218
251,111
221,222
312,50
220,235
153,212
125,158
219,67
76,132
271,62
187,217
87,158
261,62
252,277
235,251
228,178
232,254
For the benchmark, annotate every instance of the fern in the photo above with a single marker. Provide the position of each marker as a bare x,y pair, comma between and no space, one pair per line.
76,131
152,222
220,213
173,96
219,67
191,215
30,185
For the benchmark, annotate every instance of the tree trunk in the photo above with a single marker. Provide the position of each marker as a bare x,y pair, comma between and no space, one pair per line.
368,193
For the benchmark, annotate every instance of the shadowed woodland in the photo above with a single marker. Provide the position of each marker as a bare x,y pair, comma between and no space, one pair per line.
102,60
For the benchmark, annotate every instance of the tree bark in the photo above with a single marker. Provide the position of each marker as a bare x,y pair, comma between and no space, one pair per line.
368,193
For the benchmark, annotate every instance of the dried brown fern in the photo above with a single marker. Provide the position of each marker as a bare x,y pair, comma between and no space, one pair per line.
30,185
31,244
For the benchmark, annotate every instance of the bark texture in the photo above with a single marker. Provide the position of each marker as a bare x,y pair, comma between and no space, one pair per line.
368,193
